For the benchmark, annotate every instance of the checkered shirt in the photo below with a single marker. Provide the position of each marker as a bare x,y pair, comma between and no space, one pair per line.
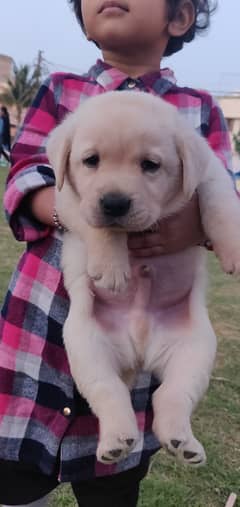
35,380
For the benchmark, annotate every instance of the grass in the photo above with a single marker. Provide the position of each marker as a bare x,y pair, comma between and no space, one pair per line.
9,248
217,420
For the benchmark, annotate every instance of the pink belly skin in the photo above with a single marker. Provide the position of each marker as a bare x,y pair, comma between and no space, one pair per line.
159,291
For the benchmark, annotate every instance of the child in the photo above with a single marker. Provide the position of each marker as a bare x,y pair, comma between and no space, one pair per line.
5,135
47,433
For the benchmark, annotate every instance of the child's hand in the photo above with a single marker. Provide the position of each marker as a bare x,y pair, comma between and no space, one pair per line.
174,234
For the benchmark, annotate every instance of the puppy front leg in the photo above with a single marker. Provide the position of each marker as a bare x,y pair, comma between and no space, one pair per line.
220,213
107,251
108,260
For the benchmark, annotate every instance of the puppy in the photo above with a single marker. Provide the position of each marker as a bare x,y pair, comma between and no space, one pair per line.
123,162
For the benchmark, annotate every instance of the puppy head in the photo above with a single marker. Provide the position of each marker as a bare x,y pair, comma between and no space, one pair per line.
128,157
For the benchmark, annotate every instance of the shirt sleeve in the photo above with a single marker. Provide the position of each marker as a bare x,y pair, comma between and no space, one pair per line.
30,167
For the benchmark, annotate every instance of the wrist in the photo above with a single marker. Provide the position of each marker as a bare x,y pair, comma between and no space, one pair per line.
41,204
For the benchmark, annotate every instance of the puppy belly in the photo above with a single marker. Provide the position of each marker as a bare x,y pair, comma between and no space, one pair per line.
156,302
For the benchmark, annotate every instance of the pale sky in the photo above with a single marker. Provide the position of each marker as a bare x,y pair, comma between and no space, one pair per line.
211,62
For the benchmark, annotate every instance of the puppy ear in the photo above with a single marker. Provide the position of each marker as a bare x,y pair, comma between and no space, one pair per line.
58,150
195,155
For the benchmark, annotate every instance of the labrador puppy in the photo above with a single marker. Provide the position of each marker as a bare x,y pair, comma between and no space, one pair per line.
124,161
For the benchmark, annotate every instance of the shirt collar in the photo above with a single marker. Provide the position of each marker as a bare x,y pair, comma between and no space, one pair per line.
111,79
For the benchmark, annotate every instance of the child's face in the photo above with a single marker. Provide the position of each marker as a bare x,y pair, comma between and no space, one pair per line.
126,25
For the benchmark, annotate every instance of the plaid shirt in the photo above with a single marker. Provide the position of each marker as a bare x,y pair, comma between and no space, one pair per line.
35,380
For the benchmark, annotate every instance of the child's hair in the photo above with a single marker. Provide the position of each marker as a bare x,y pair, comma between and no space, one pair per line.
203,10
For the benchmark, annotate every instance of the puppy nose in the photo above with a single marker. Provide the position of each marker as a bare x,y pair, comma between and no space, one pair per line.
115,205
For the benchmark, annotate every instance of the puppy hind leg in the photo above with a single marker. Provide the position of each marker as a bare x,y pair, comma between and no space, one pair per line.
184,380
172,425
95,370
118,427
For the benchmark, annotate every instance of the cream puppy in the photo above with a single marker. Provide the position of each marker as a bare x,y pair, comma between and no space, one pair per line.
123,161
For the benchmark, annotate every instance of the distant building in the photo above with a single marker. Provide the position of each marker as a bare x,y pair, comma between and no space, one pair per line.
6,71
230,105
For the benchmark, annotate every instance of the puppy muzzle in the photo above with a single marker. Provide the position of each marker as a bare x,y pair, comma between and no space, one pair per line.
114,206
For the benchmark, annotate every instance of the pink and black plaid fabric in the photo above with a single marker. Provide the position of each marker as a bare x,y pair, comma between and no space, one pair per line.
35,381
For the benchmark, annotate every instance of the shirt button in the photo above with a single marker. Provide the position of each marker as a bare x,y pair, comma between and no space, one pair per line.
132,84
145,271
67,411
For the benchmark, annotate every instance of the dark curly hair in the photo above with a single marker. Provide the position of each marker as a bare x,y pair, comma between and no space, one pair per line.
203,10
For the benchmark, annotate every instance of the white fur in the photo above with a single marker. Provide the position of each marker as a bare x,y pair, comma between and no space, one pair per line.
155,316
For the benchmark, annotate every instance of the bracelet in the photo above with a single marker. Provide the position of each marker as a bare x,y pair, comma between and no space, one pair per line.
206,244
57,222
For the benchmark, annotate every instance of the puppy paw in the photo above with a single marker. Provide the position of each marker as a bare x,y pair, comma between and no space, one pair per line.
179,441
231,264
114,447
189,451
229,256
112,277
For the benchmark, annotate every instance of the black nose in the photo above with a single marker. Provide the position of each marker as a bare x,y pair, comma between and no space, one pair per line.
115,205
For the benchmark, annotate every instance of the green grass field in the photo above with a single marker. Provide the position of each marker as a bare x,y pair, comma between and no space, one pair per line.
217,421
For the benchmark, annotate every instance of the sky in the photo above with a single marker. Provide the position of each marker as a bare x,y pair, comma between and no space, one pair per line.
211,61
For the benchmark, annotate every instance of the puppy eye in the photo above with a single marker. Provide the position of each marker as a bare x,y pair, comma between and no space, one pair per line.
150,166
92,161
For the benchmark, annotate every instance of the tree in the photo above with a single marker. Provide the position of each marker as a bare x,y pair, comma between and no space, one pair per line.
23,87
236,139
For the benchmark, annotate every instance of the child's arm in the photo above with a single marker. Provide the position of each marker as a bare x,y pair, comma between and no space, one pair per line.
29,195
185,229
